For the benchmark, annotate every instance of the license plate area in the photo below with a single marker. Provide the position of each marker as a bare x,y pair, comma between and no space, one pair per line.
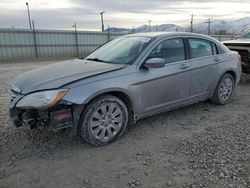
61,119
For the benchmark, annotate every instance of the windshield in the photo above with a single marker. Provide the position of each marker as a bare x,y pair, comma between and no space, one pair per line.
123,50
245,36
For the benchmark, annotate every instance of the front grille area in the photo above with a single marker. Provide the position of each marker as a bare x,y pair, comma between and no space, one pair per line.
13,94
245,56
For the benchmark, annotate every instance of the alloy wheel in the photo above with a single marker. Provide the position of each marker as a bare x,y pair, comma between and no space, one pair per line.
106,121
225,89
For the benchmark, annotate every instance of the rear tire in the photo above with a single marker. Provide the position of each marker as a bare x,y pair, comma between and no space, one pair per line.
103,120
224,90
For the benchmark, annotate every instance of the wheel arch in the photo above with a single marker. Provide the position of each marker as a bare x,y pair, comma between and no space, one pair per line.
232,73
214,98
229,71
125,97
82,127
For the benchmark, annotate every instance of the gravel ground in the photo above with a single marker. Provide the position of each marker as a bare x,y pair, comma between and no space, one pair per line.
202,145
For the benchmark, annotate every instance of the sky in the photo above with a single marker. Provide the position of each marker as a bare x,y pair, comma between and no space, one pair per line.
62,14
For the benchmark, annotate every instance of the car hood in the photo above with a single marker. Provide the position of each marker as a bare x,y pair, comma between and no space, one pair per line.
58,74
237,41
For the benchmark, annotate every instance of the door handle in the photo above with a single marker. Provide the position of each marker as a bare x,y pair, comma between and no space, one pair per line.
217,59
184,66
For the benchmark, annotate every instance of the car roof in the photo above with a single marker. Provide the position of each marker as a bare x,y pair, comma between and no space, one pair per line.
166,34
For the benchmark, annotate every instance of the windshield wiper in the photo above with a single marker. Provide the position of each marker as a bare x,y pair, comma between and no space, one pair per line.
98,60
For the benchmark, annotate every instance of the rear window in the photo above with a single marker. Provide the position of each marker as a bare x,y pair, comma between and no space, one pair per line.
200,48
214,48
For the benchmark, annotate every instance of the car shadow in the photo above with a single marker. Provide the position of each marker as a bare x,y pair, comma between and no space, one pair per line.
24,143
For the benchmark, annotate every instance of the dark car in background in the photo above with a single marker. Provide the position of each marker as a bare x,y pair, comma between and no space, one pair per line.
125,80
242,45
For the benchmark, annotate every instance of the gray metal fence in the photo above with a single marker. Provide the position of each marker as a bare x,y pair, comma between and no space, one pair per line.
28,44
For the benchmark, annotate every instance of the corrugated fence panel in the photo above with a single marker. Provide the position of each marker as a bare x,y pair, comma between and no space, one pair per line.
88,42
28,44
55,44
16,44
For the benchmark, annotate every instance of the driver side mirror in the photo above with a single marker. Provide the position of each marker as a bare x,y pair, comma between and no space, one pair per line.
155,63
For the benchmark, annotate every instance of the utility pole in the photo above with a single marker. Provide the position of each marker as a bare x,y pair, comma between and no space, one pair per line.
149,25
102,20
108,34
28,10
192,21
33,25
209,26
34,37
77,49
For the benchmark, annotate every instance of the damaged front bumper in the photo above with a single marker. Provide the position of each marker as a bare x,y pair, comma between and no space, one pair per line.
63,115
58,117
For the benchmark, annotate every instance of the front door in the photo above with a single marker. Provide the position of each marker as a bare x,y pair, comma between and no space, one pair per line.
165,87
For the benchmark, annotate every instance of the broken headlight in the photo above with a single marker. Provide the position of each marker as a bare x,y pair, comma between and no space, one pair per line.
41,99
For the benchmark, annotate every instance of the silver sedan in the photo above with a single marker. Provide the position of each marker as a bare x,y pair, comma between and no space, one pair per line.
125,80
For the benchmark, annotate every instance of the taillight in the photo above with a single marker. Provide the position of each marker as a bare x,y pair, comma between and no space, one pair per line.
239,58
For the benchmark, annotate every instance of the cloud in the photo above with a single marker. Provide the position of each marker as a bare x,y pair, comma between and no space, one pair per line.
61,14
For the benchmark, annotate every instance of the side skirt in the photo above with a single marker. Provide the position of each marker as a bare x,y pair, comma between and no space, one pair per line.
174,105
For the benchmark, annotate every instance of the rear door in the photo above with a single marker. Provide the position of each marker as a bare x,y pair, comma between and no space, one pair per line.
204,60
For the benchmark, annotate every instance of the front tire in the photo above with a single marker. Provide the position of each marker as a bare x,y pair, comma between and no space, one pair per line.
224,90
103,120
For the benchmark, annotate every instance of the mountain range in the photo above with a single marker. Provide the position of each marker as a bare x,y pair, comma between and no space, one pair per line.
217,27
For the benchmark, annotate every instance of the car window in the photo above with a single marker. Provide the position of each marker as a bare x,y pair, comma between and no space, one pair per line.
122,50
200,48
214,48
171,50
246,36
